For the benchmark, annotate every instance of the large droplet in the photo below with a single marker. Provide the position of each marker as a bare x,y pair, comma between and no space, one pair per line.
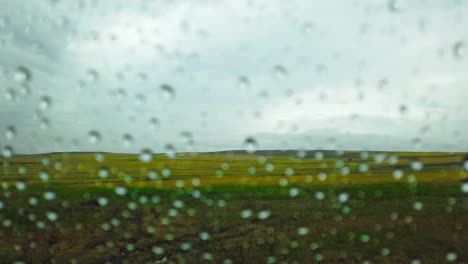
146,155
167,92
250,145
22,74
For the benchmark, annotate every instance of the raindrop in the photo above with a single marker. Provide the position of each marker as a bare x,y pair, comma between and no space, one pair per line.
44,176
302,231
127,140
417,165
103,173
44,123
49,195
270,167
307,27
280,72
120,190
204,236
158,250
94,137
52,216
397,174
246,213
22,74
319,195
343,197
146,155
92,75
243,82
464,187
187,137
451,256
45,103
10,132
167,92
417,206
403,109
250,145
264,214
154,122
293,192
170,151
102,201
7,151
395,6
459,50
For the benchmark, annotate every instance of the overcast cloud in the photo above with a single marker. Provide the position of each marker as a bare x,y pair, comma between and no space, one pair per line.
374,75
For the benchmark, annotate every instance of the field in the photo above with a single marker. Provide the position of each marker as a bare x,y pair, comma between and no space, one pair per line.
234,207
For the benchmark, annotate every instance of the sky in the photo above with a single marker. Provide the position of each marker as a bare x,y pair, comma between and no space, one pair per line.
123,76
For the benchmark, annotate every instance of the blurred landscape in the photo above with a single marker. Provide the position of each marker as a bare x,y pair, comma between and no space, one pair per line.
235,207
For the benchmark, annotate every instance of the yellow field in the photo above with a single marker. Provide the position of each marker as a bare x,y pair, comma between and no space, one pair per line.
188,170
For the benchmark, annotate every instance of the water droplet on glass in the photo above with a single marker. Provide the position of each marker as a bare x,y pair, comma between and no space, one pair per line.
120,190
417,165
343,197
264,214
10,132
52,216
49,195
7,151
307,27
403,109
302,231
170,151
204,236
154,122
94,137
43,175
293,192
464,187
417,206
395,6
22,74
127,140
92,75
103,173
459,50
146,155
397,174
280,72
246,213
451,256
250,145
167,92
45,103
243,82
102,201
